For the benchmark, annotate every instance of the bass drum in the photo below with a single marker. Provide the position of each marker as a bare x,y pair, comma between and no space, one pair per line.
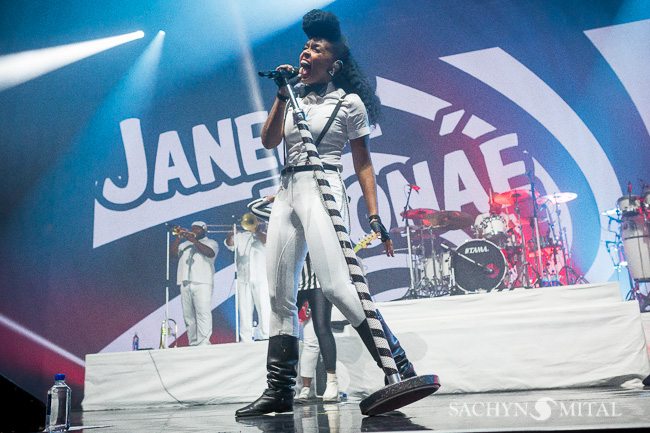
636,245
470,277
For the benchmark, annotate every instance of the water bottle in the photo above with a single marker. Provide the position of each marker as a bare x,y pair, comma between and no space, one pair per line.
554,279
136,342
57,415
545,280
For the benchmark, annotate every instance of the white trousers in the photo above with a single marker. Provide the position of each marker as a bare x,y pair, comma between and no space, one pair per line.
310,350
196,299
253,293
299,222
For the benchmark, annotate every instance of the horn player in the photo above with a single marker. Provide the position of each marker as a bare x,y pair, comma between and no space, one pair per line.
195,276
252,285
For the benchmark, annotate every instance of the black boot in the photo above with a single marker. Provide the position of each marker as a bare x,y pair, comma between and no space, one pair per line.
404,366
281,364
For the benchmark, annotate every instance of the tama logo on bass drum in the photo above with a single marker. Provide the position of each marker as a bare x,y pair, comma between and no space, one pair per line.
476,250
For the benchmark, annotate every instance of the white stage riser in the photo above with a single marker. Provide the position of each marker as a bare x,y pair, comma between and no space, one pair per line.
554,337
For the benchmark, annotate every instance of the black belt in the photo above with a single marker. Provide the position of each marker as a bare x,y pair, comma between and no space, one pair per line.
297,168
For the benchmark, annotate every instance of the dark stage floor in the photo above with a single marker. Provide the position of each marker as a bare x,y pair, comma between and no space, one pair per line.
575,409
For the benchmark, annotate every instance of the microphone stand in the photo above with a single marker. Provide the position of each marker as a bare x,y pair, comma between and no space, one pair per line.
164,343
411,290
165,329
234,243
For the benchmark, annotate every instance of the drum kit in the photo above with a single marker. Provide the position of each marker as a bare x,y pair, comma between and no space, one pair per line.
515,244
632,244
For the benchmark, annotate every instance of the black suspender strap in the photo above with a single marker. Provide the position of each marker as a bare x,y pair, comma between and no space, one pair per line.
330,121
323,132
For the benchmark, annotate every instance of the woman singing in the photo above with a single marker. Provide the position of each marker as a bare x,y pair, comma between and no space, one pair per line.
329,76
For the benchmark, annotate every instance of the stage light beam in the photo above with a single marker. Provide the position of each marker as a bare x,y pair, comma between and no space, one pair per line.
21,67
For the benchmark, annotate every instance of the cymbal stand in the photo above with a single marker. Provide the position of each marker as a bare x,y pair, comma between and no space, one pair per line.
557,242
411,292
571,276
538,245
527,283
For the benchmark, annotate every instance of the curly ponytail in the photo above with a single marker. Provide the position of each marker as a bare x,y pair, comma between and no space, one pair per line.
351,79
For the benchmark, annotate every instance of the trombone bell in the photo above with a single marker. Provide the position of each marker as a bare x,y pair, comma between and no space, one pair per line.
249,222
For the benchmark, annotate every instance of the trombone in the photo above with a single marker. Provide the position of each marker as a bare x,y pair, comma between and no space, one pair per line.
212,228
249,222
220,228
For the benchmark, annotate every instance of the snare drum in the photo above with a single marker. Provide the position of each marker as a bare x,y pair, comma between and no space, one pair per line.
493,227
629,205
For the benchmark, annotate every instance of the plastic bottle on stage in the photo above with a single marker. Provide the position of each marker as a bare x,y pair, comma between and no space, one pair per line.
136,342
553,279
545,280
57,415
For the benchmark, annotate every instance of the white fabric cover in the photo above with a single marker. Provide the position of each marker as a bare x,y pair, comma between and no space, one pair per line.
554,337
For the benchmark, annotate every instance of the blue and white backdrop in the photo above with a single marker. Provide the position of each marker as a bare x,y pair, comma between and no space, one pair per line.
107,134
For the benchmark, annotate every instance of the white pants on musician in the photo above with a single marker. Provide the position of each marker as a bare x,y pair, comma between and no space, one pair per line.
196,299
299,222
253,293
310,350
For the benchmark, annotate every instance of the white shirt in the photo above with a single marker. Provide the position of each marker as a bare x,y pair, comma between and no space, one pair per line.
194,266
251,256
351,122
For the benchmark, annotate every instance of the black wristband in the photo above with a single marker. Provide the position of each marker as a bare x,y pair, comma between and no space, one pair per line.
281,97
374,217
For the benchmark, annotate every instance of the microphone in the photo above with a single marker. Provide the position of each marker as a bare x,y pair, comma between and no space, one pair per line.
629,187
415,187
279,73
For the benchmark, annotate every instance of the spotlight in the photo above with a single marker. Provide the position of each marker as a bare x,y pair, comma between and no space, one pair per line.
18,68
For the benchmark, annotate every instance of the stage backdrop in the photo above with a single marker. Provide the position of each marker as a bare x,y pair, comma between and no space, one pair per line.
103,143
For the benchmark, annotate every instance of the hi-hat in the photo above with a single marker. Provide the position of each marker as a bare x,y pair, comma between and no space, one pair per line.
416,214
558,197
509,198
400,230
450,220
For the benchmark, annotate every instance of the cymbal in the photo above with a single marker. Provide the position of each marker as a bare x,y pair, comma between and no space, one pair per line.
558,197
509,197
416,214
399,230
450,220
